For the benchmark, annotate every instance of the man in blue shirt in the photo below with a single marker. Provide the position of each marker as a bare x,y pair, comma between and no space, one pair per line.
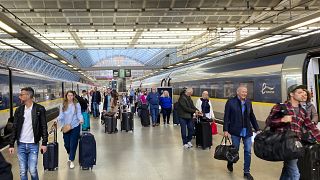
238,121
153,100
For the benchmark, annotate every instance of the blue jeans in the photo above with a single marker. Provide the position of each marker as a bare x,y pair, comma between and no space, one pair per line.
71,142
247,142
186,123
95,109
290,170
28,159
154,110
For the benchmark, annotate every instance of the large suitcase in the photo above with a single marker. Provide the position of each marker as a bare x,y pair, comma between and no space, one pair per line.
51,157
309,164
110,124
203,135
87,151
126,121
86,121
145,118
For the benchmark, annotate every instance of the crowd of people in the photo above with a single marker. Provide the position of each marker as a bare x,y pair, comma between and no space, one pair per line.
30,124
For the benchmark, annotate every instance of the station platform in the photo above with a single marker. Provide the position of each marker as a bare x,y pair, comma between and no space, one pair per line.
150,153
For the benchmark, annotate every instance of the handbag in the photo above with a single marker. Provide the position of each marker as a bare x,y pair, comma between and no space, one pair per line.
214,128
226,152
278,146
66,128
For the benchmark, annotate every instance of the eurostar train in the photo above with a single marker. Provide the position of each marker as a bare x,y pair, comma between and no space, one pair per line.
48,92
267,72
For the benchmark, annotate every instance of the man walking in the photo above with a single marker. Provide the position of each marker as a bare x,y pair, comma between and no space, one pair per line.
238,121
153,100
29,126
96,100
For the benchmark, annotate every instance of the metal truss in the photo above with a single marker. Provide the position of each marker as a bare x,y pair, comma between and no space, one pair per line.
21,60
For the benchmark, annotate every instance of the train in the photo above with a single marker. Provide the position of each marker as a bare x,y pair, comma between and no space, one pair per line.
266,71
49,92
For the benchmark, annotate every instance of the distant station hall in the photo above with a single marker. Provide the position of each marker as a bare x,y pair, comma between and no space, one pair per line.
159,89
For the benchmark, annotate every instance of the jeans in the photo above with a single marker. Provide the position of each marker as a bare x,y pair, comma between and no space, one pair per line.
28,159
186,123
95,109
247,142
290,170
166,114
71,142
154,110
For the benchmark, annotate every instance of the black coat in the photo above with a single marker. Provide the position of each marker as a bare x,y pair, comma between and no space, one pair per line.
98,97
39,124
234,121
185,107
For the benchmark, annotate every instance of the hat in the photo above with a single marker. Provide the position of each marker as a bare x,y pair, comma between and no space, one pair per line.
294,87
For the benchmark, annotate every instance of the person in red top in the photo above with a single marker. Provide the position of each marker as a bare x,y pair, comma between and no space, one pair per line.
294,118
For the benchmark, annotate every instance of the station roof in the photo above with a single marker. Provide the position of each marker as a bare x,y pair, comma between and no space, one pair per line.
144,35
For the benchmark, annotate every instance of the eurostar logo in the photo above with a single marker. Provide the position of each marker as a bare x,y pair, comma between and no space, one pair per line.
267,89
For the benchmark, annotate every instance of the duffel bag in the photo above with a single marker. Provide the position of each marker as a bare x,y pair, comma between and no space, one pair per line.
277,146
226,152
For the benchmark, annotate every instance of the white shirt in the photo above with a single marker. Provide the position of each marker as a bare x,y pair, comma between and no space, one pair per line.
26,135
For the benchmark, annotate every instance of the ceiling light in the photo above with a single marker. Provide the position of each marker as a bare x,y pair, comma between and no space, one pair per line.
7,28
70,65
75,68
170,66
64,62
247,42
179,64
210,54
52,55
194,59
311,21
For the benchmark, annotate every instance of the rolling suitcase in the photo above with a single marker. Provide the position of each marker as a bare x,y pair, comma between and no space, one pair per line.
309,164
145,118
110,124
203,135
50,158
131,124
125,122
86,121
87,151
175,114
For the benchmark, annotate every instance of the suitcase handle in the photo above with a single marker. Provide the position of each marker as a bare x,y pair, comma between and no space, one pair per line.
53,129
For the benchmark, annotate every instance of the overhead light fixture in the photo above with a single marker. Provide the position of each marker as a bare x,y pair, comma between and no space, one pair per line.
75,68
52,55
311,21
70,66
248,42
161,69
210,54
7,28
170,66
63,61
179,64
80,72
194,59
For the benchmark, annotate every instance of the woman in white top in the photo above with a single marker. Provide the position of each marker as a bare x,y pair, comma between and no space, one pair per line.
69,119
205,106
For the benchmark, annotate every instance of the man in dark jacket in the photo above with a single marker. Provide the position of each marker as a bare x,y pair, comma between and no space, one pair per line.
29,126
238,121
96,100
185,110
153,100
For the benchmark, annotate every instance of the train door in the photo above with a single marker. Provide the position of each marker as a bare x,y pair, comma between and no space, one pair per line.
313,81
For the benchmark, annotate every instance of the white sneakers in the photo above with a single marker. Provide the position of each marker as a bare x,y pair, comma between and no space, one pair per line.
71,165
188,145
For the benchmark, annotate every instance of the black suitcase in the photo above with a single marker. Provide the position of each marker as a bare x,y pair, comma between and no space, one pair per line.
51,157
309,164
127,121
110,124
175,117
203,135
145,118
87,151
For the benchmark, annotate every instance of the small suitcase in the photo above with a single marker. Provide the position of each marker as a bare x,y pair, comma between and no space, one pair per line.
87,151
110,124
203,135
86,121
309,164
125,122
145,118
51,157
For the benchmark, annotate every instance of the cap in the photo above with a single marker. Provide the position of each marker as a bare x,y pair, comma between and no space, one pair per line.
294,87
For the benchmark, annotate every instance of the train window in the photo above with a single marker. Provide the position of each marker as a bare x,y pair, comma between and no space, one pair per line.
249,86
196,91
228,89
214,88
